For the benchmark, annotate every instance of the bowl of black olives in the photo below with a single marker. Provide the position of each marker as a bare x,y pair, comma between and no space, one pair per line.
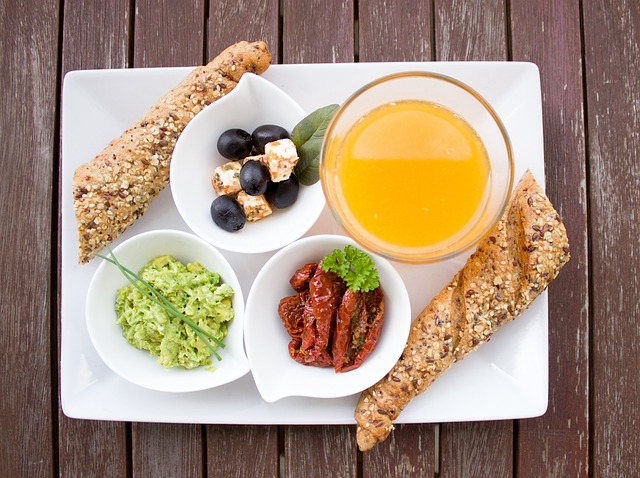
232,171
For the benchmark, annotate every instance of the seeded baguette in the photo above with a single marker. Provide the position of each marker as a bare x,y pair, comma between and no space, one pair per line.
512,265
116,187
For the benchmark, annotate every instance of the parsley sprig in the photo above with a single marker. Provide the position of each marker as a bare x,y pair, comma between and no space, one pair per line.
354,266
157,297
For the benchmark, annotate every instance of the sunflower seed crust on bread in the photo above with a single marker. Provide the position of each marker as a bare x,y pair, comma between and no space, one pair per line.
115,188
511,266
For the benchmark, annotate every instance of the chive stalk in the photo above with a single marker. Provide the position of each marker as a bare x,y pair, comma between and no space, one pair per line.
158,298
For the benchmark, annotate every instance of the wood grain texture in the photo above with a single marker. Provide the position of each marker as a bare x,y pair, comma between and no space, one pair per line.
93,448
478,449
394,31
242,451
95,35
320,451
470,30
166,450
612,63
168,33
318,31
466,31
28,63
557,444
409,451
251,20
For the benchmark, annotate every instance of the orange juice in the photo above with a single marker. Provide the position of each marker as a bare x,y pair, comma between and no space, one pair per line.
412,174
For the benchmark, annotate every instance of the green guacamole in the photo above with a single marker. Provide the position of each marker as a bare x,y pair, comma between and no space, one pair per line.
194,291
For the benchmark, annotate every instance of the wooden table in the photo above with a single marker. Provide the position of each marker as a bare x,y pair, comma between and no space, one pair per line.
589,61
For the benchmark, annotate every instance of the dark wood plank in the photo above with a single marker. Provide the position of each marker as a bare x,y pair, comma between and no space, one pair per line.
242,451
320,451
398,31
161,449
612,63
476,449
394,31
168,33
465,31
95,35
470,30
251,20
318,31
409,451
93,448
28,55
548,34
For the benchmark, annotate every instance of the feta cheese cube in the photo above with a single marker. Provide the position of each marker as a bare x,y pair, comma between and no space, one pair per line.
280,157
257,157
226,178
255,207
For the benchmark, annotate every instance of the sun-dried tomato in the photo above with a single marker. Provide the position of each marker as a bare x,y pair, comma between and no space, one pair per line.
359,321
325,292
349,312
300,280
290,311
328,325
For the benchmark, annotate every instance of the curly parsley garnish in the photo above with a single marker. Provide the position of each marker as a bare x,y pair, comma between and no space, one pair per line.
354,266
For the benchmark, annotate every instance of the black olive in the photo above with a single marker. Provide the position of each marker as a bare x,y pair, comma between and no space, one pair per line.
284,193
235,144
227,213
254,177
266,134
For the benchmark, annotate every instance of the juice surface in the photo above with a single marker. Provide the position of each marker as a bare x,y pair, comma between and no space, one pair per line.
413,173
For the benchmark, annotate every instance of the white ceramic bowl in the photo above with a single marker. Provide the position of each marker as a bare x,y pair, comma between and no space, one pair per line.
138,366
254,102
275,373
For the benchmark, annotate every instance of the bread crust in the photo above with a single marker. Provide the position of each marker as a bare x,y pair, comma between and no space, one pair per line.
115,188
512,265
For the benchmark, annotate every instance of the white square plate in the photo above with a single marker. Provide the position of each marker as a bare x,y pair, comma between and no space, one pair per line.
505,378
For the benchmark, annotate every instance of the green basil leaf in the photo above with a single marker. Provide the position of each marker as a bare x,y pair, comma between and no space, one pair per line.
307,136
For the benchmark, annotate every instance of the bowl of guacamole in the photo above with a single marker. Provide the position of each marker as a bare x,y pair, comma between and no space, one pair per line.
177,325
195,292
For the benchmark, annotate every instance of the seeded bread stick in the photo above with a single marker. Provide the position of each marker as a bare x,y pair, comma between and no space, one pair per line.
512,265
116,187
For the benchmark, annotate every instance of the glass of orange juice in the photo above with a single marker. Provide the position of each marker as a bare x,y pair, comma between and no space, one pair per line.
416,166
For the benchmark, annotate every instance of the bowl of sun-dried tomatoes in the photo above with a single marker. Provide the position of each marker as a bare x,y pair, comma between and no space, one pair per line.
325,319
